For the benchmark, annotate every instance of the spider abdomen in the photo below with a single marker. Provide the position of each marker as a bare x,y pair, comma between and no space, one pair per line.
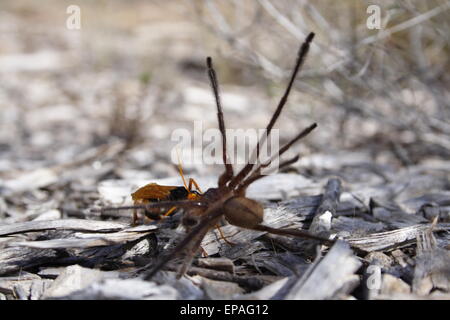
243,212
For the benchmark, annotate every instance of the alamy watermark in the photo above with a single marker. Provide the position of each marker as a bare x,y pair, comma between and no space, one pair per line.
205,147
73,21
374,19
373,281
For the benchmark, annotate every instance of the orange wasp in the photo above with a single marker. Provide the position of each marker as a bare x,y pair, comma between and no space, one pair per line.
228,201
153,192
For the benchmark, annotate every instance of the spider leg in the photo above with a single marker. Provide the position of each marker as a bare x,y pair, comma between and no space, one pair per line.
299,62
293,233
241,189
162,205
228,174
257,172
194,235
191,251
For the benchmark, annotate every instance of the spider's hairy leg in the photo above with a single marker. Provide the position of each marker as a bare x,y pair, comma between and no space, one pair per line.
191,250
294,233
241,189
194,237
228,174
299,62
257,172
155,205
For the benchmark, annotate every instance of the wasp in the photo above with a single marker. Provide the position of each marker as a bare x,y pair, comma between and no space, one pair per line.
154,192
228,200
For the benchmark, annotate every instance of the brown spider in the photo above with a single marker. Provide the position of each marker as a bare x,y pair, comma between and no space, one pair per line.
228,200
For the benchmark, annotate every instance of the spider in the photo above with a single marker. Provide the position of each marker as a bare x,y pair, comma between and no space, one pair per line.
229,200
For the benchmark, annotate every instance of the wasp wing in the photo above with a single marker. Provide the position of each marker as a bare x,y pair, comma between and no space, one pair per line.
152,191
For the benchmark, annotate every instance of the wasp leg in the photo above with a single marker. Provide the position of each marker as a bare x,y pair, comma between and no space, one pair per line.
165,215
133,223
222,236
135,214
193,182
204,253
169,212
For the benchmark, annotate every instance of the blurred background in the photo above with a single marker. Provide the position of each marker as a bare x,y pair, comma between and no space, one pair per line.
102,101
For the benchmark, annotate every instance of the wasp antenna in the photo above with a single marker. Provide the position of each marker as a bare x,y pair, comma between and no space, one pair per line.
180,170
